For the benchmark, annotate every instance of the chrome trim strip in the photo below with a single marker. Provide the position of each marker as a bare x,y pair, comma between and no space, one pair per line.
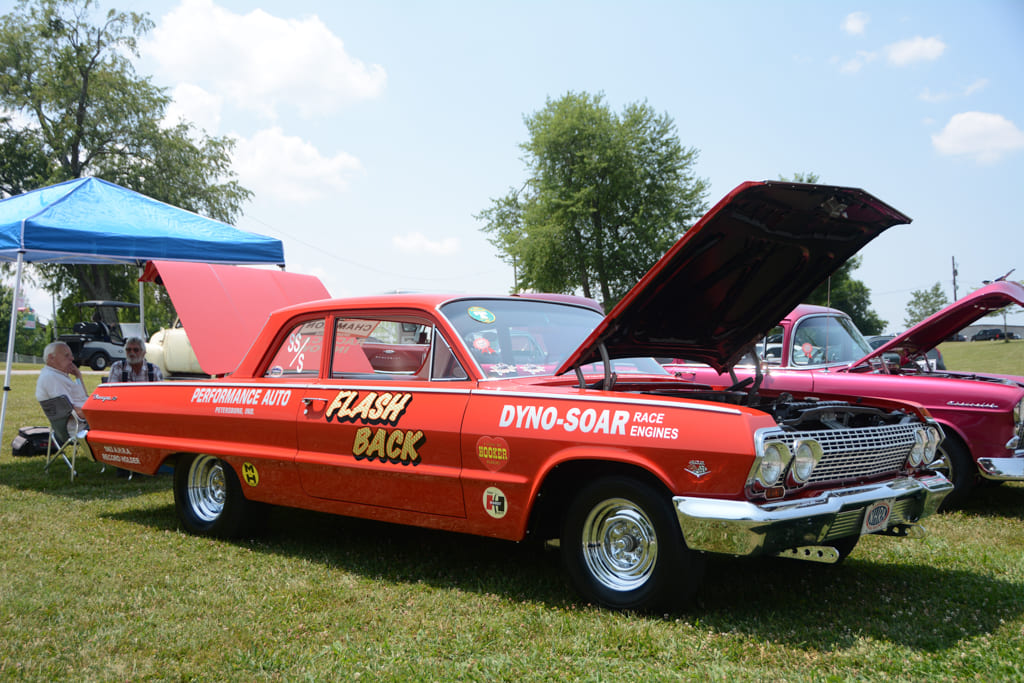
418,387
736,527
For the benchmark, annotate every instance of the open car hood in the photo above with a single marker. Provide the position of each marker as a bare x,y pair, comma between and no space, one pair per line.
928,333
752,258
223,308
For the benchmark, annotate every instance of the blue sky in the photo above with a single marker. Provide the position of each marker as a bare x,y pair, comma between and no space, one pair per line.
372,132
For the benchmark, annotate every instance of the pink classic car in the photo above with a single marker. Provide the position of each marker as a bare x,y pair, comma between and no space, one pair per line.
817,350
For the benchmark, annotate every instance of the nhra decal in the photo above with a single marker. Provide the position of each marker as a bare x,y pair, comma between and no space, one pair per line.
493,453
119,454
495,502
373,408
588,421
239,400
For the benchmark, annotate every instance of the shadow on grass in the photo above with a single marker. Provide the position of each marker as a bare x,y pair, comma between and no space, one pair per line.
92,482
807,606
991,500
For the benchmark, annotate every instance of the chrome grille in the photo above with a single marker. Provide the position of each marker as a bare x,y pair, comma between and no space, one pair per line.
859,452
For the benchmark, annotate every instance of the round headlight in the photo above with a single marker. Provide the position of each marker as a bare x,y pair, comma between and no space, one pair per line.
771,464
917,452
805,457
932,447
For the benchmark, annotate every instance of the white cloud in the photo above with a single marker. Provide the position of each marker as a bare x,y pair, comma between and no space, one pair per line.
915,49
933,98
978,85
195,105
417,242
287,167
984,137
855,23
855,64
260,62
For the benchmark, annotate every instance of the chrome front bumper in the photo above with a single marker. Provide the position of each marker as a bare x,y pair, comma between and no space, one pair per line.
742,528
1003,469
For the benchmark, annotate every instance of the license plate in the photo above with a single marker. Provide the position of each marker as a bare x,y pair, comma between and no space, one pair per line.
876,516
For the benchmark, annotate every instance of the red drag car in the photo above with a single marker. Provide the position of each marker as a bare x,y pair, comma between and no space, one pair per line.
819,350
518,417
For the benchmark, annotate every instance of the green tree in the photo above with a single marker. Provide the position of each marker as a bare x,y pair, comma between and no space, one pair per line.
841,290
93,115
23,162
28,341
924,302
606,195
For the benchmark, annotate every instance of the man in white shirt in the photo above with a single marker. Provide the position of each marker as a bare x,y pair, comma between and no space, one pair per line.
60,376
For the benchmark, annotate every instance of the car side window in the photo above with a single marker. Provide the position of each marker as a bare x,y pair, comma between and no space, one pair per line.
381,348
300,351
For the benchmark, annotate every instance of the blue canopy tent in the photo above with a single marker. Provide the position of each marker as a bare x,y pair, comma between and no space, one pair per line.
89,220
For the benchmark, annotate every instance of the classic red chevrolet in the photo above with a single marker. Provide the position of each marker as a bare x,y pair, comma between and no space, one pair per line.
820,351
518,417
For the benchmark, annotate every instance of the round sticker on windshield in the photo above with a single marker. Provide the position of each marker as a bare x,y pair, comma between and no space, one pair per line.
481,315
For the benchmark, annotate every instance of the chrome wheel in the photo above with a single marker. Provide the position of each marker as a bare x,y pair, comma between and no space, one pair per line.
620,545
207,488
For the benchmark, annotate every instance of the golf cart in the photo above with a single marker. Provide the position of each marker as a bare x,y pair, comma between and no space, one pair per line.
100,340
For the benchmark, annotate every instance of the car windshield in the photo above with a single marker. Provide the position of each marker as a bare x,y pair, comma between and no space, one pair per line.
820,340
519,338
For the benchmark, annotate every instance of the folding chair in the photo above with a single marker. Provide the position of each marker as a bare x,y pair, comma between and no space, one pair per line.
59,412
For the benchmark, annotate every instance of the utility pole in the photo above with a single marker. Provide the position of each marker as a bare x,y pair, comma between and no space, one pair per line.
955,297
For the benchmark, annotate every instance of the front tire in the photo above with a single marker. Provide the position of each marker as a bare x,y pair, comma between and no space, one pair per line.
209,499
100,361
954,461
623,549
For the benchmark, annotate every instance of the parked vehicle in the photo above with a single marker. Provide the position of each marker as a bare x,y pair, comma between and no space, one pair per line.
989,334
933,357
530,418
982,415
99,341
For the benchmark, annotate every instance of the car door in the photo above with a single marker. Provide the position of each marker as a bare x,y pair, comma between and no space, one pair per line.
382,425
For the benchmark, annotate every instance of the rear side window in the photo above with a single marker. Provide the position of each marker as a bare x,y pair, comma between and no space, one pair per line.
300,351
381,348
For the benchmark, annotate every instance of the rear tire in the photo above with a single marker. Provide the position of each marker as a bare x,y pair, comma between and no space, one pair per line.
623,549
209,499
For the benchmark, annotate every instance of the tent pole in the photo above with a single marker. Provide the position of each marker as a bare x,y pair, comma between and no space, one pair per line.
10,341
142,305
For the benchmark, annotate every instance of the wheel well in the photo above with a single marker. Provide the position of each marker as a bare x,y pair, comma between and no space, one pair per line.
951,434
561,483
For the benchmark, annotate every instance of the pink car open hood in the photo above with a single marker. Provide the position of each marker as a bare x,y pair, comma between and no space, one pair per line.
223,308
744,265
928,333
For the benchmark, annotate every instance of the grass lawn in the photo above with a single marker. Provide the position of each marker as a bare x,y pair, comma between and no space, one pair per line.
1001,357
99,583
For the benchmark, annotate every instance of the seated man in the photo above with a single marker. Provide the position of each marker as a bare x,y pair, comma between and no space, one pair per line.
135,367
60,376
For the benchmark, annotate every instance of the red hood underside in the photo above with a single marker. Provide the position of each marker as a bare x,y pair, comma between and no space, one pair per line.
223,308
